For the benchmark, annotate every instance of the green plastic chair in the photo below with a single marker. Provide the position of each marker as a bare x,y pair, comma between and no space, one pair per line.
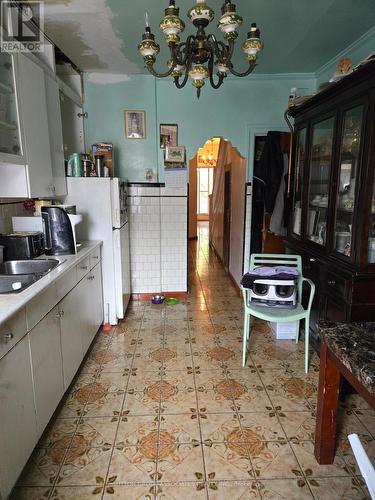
276,314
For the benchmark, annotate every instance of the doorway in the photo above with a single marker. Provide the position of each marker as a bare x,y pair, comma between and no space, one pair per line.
205,177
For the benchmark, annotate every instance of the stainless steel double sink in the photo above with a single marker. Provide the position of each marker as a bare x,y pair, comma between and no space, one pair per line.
16,275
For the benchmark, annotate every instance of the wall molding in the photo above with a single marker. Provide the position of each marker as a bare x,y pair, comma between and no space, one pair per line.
354,45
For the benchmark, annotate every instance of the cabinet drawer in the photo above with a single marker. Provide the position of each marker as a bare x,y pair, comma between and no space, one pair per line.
40,305
339,286
66,283
83,268
94,257
12,331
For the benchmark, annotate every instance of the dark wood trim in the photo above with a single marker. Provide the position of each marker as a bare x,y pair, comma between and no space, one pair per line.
328,397
148,296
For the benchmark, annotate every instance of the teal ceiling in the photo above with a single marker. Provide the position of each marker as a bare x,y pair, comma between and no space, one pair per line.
299,35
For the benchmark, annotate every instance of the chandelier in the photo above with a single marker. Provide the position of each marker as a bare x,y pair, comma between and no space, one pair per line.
208,160
200,53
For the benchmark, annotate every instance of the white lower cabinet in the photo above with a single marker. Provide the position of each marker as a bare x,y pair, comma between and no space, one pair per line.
93,307
46,361
73,327
18,434
37,371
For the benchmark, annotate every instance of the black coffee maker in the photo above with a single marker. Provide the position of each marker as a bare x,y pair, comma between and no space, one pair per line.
58,231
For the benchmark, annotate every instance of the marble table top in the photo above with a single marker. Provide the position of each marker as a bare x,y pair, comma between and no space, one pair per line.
354,345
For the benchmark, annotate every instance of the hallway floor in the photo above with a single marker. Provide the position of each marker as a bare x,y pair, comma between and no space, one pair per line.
162,408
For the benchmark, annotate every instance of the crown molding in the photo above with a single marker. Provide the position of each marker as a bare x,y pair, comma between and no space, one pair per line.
333,62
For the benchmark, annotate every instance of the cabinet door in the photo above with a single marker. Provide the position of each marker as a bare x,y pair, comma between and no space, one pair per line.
299,163
348,174
46,363
92,287
18,434
10,136
72,327
55,136
319,180
34,122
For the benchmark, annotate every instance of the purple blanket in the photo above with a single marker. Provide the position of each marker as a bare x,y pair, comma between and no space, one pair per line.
267,272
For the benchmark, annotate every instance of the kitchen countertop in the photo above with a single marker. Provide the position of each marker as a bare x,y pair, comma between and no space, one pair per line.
354,345
11,303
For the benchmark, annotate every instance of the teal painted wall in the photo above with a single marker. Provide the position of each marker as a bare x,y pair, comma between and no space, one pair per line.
238,106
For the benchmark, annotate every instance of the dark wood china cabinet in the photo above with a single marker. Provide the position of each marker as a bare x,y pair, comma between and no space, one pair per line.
332,220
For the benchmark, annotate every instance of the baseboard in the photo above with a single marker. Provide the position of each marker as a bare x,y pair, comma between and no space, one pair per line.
235,284
148,296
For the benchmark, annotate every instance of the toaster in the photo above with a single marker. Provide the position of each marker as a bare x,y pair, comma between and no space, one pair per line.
22,245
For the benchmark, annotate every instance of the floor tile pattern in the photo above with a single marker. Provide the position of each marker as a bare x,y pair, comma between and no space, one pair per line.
162,409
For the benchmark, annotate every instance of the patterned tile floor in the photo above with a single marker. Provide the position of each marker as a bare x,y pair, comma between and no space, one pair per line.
162,409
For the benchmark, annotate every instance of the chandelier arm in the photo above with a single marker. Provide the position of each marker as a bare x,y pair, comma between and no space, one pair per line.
245,73
150,64
181,84
210,71
214,46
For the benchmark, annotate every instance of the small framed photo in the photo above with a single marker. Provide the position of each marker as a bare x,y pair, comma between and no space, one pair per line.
175,154
135,124
168,135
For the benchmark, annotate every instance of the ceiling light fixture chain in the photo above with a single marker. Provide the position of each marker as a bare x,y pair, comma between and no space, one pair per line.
200,54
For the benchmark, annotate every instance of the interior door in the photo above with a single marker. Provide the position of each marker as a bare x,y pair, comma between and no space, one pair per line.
227,217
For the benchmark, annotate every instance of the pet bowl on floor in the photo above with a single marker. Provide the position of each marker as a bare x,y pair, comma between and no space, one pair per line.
157,299
172,301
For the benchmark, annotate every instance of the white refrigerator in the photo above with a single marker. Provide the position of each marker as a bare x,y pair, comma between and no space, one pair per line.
103,203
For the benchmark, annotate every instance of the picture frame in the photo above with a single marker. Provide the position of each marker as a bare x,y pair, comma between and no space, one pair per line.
168,134
175,154
135,124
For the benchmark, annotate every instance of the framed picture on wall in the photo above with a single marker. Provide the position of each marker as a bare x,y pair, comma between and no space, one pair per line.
135,124
168,135
175,154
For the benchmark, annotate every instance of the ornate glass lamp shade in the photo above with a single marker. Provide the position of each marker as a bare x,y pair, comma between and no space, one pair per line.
229,21
201,11
171,25
177,70
148,47
252,45
222,68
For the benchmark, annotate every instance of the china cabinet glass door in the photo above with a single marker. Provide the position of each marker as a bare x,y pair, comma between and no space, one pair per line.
320,172
298,180
9,125
371,235
348,171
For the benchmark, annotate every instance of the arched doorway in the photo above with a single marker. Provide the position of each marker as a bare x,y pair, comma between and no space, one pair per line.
226,203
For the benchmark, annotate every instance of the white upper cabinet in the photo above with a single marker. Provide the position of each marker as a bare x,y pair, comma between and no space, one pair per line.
31,141
34,121
55,136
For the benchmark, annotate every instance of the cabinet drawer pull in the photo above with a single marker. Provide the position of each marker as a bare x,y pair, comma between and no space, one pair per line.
84,268
95,257
8,337
332,282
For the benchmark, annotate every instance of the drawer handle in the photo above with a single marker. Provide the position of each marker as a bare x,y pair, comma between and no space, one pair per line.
95,257
84,268
8,337
332,282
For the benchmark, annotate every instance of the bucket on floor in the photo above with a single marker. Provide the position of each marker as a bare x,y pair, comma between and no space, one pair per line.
284,331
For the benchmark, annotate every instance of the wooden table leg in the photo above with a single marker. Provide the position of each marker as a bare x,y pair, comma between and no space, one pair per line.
328,393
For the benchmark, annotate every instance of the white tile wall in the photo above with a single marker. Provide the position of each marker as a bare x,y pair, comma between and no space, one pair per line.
9,210
247,250
158,239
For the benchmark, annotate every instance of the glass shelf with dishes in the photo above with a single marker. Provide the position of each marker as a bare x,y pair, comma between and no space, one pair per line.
9,124
320,173
348,170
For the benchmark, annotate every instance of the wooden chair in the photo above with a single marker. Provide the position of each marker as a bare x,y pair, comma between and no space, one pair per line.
276,314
